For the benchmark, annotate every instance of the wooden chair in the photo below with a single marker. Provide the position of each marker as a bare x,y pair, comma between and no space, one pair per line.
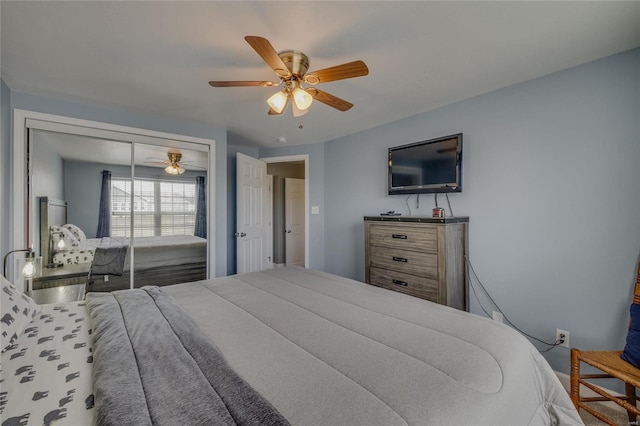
612,366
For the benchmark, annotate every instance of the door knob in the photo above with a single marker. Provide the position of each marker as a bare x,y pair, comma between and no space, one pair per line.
288,231
240,234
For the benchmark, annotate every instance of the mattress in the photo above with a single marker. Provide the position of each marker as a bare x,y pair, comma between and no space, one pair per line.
327,350
149,252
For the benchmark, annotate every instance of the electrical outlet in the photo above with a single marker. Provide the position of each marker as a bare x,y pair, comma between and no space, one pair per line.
564,336
497,316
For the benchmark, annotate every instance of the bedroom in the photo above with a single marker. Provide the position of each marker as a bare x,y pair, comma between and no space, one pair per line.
550,171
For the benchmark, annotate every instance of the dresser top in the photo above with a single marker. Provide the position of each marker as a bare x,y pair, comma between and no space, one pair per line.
421,219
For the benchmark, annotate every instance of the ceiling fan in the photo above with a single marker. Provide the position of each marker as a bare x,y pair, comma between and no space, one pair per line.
291,67
173,163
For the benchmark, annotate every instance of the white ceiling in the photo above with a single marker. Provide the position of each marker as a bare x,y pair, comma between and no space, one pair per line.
158,57
84,148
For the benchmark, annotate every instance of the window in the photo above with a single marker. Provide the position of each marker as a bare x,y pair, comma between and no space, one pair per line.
160,207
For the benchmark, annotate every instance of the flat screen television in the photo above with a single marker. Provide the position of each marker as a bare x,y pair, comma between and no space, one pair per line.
428,166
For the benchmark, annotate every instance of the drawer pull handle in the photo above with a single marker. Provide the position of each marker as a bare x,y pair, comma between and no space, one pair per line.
399,236
399,259
398,282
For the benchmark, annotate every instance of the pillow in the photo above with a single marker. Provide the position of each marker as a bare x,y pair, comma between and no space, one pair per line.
631,352
18,310
77,232
70,240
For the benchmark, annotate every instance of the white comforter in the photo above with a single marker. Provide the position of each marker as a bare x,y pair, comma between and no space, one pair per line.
325,350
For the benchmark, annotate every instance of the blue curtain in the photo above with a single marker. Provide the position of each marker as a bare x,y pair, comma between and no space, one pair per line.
104,217
201,208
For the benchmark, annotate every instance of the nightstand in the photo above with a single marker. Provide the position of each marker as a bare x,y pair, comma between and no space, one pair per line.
62,276
61,294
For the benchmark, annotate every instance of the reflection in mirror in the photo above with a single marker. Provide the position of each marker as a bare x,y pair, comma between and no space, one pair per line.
169,226
66,195
94,224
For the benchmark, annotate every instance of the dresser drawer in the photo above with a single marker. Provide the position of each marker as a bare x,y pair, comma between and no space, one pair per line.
412,285
404,237
410,262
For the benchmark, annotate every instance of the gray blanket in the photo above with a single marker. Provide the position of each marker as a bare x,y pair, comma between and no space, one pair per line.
110,256
153,365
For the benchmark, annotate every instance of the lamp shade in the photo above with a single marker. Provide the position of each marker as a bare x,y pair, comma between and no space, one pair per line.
278,101
26,269
298,112
174,169
302,99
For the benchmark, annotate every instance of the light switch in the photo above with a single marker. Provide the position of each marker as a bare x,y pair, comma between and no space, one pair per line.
315,209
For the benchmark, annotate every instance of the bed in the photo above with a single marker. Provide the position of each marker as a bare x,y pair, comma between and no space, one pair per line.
316,348
159,260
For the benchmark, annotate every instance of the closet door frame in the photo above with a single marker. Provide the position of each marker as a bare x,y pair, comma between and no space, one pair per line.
20,210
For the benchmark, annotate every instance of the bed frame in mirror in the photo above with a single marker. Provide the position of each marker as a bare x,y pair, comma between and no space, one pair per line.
54,212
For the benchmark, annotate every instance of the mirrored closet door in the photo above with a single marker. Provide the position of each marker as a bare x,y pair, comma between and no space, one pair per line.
113,213
169,229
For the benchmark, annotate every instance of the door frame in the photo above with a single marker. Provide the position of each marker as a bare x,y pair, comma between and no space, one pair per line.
289,159
19,157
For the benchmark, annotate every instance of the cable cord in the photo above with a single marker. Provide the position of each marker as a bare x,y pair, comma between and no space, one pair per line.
407,201
552,345
450,211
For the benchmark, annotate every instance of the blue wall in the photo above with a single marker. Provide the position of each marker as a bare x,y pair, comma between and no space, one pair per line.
69,108
551,185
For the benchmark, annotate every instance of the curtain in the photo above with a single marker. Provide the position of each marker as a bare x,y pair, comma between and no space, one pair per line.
104,216
201,208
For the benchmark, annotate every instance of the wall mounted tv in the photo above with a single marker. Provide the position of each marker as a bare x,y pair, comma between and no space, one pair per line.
427,166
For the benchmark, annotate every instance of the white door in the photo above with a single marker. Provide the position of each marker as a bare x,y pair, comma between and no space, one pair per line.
251,218
294,218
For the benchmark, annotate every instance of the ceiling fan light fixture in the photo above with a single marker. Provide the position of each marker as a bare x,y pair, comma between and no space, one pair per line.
278,101
302,99
297,112
174,169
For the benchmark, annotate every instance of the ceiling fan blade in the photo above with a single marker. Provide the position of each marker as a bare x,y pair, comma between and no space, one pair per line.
329,99
241,83
339,72
269,55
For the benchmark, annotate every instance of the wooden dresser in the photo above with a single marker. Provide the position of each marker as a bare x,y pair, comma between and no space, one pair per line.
419,256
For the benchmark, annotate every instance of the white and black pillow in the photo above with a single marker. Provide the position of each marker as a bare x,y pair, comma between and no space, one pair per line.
18,310
77,232
73,257
59,233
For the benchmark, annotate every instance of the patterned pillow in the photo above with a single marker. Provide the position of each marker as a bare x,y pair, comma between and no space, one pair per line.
70,240
77,232
18,310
